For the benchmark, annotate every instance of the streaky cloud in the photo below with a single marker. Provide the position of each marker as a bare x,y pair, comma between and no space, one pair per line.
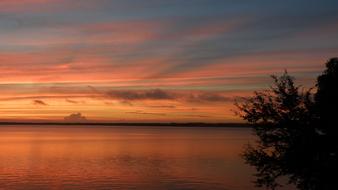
40,103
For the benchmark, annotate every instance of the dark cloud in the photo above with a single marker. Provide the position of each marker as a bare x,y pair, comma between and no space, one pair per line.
71,101
146,113
74,102
76,117
45,97
163,106
208,97
40,103
129,95
199,116
127,103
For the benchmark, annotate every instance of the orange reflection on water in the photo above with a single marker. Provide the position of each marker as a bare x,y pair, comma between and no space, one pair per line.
62,157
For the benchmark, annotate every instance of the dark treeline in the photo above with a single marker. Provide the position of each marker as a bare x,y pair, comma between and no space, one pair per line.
297,132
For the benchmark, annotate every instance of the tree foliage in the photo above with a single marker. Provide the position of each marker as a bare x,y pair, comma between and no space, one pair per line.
327,97
297,132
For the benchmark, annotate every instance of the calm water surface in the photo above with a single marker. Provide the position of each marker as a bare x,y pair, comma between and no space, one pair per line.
92,157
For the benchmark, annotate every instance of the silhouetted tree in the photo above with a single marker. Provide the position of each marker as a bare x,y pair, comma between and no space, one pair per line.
297,132
327,97
327,113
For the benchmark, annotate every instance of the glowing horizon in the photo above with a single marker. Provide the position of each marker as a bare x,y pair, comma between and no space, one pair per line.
154,61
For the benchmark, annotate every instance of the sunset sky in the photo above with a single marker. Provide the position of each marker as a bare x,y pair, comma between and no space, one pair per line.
154,60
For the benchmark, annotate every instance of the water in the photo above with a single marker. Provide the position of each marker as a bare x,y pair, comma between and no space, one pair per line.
92,157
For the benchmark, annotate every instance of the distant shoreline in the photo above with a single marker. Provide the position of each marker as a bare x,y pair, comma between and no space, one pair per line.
239,125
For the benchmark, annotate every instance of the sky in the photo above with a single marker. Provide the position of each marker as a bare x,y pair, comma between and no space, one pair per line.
154,60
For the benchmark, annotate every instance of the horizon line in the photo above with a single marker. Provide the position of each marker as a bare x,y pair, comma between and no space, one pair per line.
151,124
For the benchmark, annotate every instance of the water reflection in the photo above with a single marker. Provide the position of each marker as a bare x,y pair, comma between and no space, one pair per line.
60,157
